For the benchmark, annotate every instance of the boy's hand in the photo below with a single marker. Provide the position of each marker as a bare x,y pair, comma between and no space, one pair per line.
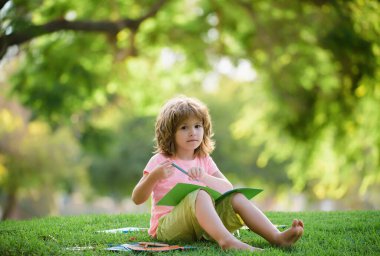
196,173
164,170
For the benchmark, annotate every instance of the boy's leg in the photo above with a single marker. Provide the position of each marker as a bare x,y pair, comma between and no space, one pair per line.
181,224
209,220
255,219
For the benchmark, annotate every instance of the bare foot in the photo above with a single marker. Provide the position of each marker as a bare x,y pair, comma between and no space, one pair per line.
291,235
238,245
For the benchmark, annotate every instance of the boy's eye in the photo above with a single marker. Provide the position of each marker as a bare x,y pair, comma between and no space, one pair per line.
198,126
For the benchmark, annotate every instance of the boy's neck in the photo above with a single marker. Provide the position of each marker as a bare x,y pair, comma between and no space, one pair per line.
185,157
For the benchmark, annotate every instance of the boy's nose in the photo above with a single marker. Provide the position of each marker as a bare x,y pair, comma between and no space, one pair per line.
192,131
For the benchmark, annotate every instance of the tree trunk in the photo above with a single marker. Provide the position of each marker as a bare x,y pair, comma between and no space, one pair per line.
10,205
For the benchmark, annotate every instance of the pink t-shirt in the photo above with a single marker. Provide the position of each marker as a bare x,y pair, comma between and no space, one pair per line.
163,186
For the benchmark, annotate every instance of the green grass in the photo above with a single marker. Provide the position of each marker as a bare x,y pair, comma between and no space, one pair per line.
326,233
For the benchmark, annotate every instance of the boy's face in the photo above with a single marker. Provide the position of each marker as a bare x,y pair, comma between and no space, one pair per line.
189,136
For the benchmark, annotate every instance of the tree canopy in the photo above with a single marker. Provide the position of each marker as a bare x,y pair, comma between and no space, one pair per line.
293,86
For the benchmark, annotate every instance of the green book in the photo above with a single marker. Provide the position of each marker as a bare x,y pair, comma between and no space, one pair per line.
180,190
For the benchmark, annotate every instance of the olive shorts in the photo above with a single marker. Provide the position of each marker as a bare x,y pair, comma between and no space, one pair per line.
181,224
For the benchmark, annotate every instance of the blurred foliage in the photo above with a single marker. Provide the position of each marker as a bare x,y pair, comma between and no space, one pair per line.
34,161
115,172
293,86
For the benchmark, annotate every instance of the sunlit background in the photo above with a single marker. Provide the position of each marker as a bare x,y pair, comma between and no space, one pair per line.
293,88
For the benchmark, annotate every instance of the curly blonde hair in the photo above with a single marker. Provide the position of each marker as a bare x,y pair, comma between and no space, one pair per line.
172,114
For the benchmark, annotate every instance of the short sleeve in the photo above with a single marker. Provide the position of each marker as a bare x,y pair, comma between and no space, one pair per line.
212,167
153,162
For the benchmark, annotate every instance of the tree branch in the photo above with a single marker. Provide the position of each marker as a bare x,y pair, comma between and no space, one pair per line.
108,27
2,3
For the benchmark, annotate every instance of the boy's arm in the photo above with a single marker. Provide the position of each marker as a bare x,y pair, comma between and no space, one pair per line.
146,184
144,188
217,181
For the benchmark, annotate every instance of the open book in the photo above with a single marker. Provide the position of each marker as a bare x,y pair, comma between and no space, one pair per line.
180,190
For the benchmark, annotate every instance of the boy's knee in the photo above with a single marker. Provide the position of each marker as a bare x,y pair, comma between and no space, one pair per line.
238,198
203,195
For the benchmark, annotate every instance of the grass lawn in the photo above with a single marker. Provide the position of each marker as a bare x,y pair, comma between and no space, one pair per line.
326,233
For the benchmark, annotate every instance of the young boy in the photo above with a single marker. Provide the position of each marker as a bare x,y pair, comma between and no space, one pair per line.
183,136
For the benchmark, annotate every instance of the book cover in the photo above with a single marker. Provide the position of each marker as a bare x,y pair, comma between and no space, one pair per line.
180,190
